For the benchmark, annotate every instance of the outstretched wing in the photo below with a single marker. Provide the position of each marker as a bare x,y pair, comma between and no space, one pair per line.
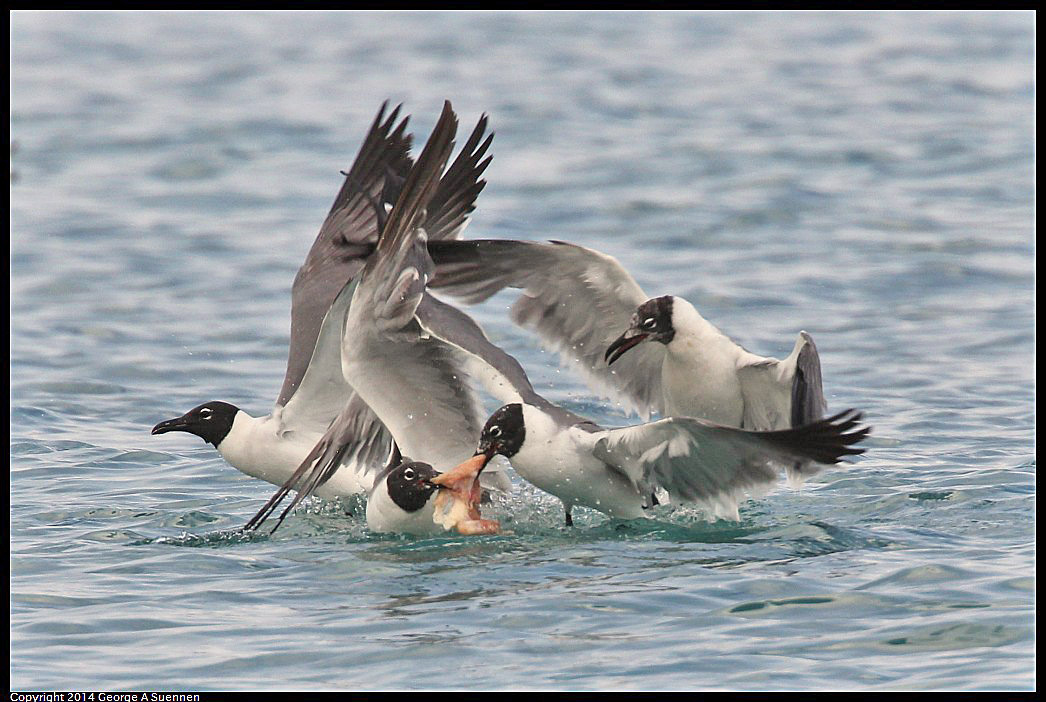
500,373
395,276
447,213
786,393
413,380
356,441
349,233
698,461
344,239
577,300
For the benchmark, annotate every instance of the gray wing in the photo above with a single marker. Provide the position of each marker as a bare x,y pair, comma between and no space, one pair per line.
714,465
356,440
344,238
350,231
322,391
507,381
500,373
394,277
413,380
786,393
447,423
808,402
577,300
447,213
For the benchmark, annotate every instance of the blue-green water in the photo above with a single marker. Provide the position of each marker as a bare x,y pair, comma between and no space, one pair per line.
866,177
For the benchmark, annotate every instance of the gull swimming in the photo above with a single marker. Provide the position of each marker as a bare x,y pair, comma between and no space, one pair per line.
412,497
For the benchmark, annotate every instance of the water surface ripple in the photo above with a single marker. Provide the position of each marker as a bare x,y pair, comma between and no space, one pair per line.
866,177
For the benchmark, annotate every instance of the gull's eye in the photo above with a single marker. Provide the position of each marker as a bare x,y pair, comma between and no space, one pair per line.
206,412
409,474
494,431
648,323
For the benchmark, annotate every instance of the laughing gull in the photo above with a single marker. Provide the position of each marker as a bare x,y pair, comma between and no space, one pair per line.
315,396
621,472
579,300
409,355
412,497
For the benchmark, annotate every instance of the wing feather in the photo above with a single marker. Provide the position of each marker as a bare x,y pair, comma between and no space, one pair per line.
414,381
786,393
356,441
698,461
576,299
348,235
335,256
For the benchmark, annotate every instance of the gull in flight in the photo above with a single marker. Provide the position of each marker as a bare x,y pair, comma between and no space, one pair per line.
652,355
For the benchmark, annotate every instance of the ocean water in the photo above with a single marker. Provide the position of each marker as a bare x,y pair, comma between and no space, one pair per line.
866,177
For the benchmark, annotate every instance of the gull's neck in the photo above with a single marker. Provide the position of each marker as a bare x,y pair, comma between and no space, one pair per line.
699,375
239,439
695,334
254,446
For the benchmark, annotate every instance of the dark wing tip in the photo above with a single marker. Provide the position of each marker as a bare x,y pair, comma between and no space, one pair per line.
306,478
421,182
808,401
826,440
455,198
841,433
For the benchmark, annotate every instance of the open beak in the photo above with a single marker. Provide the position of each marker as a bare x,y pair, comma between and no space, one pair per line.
486,448
622,344
176,424
457,505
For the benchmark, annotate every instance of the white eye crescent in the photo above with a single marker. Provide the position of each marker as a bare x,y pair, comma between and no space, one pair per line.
409,474
649,323
494,431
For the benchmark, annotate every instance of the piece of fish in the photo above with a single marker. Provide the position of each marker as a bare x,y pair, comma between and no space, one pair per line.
457,504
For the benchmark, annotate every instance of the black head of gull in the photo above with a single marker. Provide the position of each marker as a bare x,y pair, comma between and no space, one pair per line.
504,432
652,321
211,421
409,485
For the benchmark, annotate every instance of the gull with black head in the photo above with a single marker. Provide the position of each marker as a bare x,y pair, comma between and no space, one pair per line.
621,472
669,359
412,497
